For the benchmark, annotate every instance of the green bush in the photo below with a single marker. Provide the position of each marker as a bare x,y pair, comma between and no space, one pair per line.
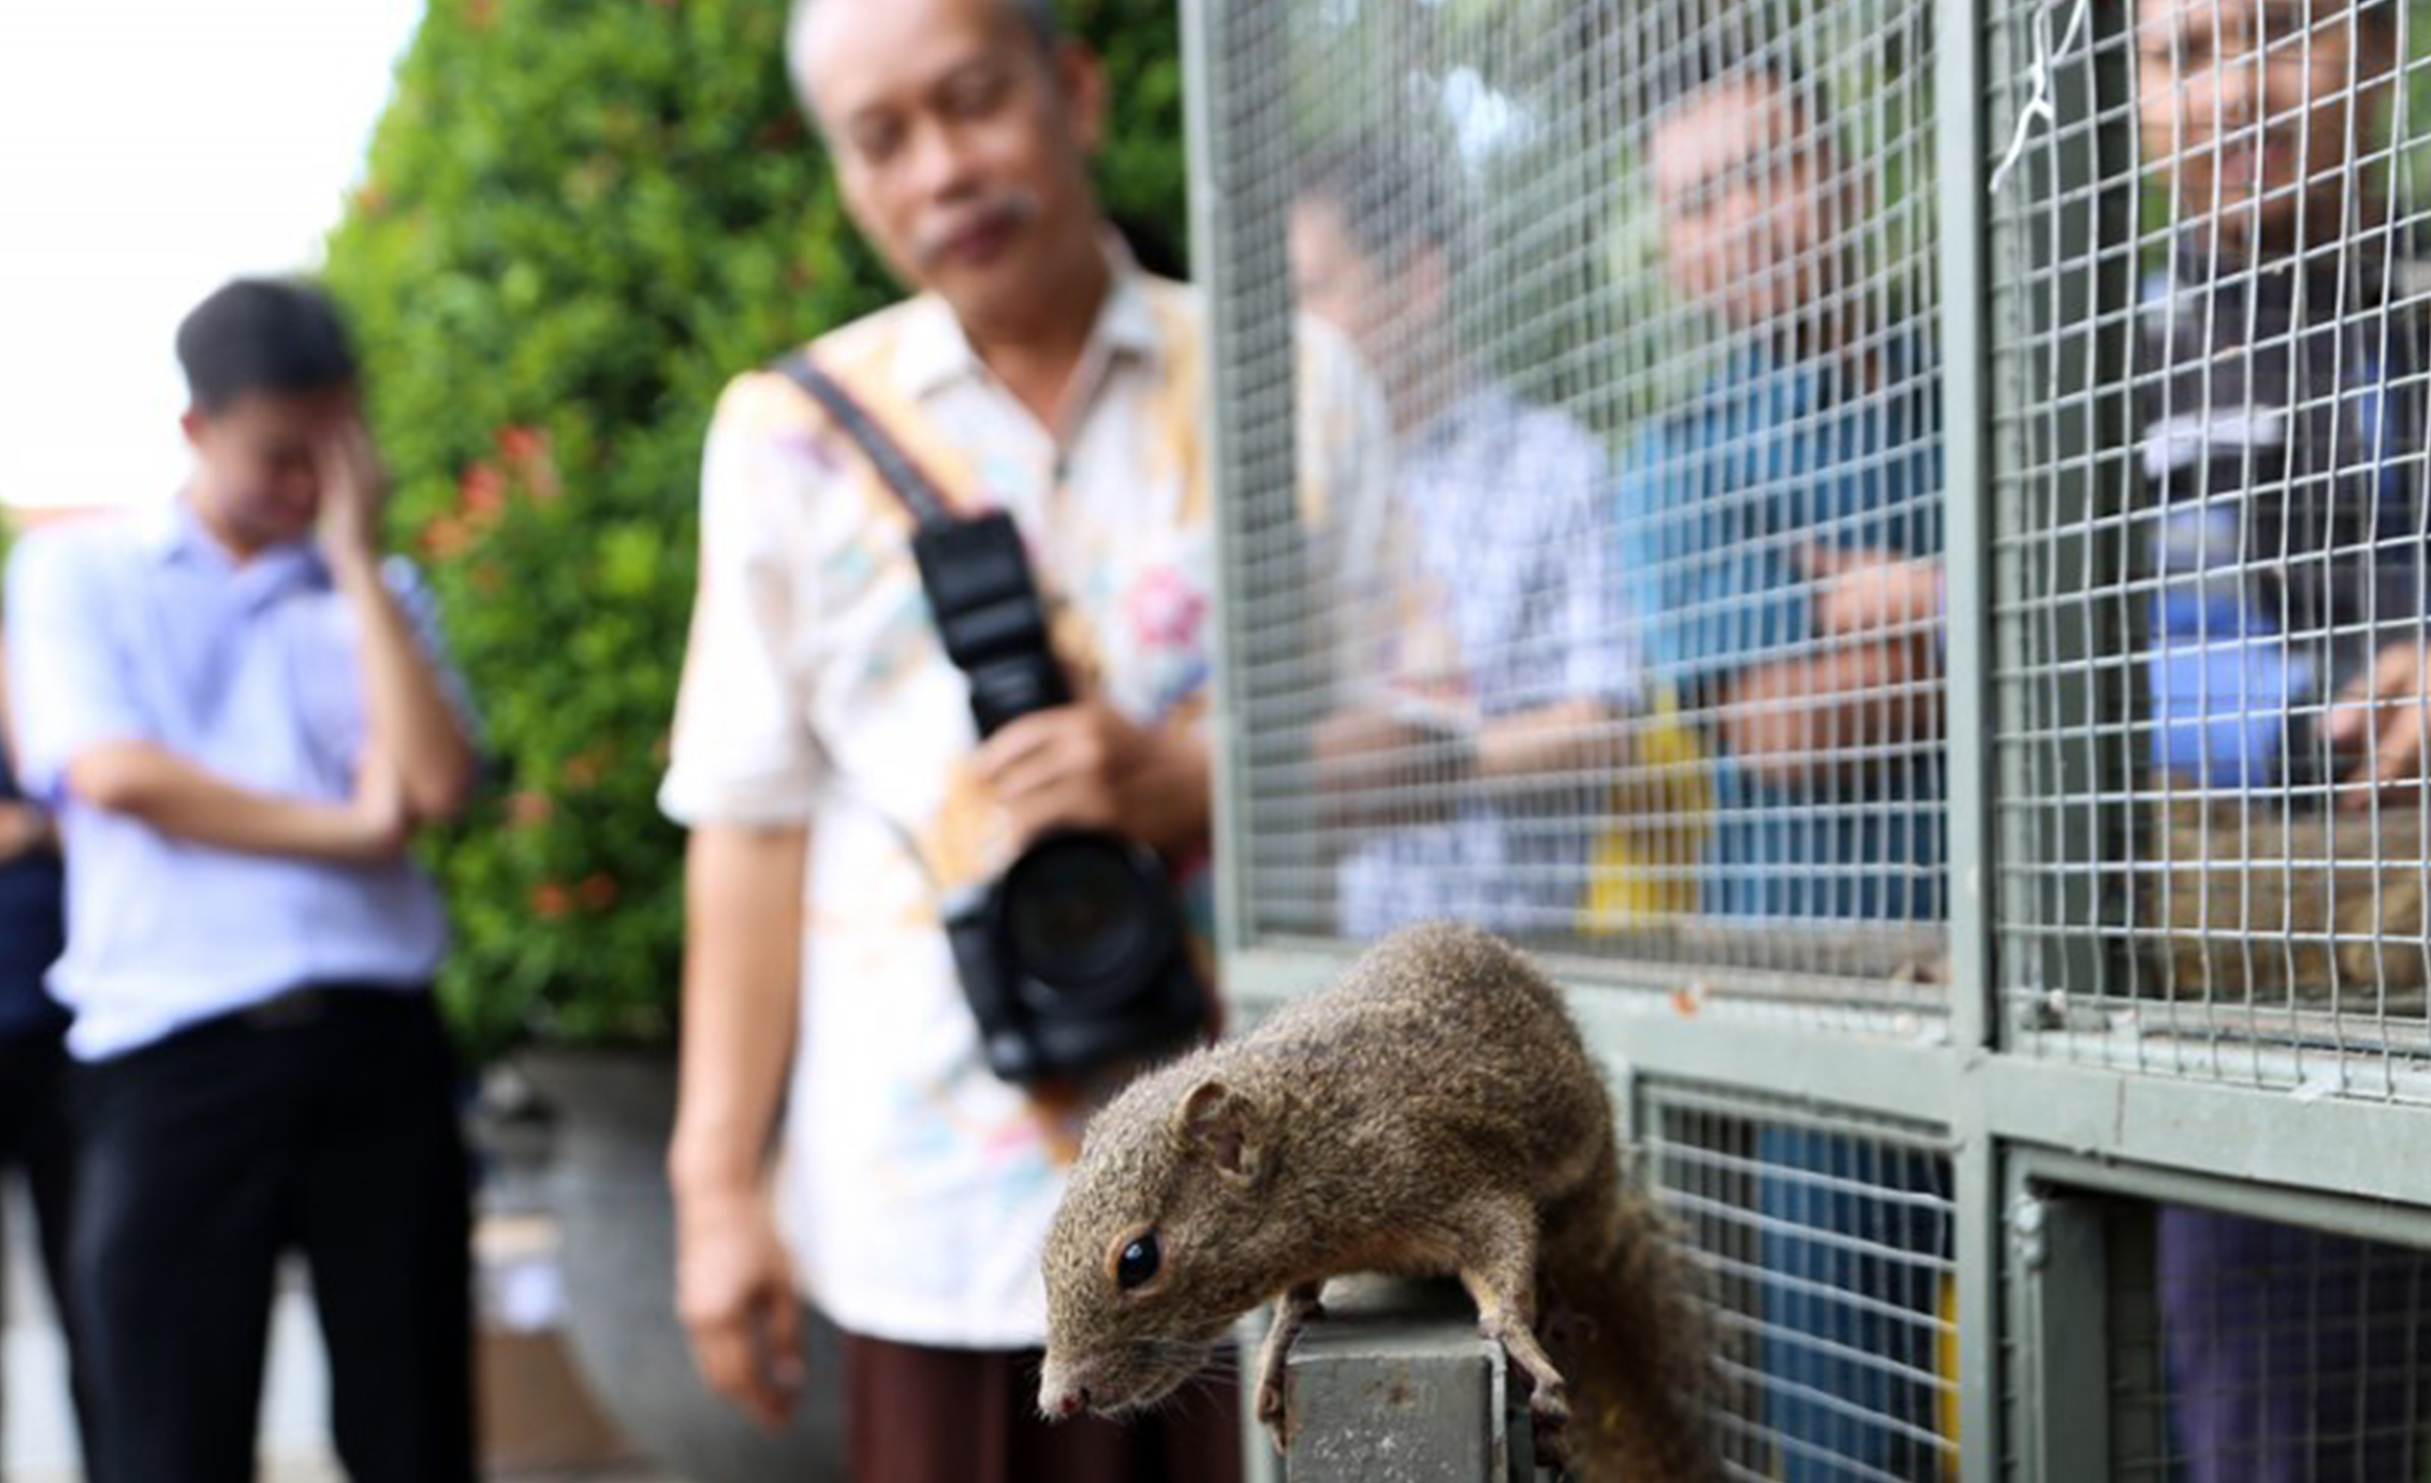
579,218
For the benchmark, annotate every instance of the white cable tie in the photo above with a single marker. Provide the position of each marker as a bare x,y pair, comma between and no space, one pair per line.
2038,99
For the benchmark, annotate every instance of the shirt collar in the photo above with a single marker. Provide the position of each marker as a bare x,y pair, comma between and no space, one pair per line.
175,533
934,352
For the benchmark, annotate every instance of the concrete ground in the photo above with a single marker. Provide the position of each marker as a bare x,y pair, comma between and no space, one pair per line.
37,1438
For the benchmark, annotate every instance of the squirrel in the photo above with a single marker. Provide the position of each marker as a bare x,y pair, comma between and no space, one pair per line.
1433,1113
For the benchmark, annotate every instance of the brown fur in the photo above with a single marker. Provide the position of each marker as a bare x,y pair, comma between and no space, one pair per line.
2311,910
1433,1113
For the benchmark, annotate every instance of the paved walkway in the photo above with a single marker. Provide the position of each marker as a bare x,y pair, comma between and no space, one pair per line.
37,1439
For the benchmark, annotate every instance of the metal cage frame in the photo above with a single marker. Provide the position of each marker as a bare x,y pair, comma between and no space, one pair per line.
2026,1107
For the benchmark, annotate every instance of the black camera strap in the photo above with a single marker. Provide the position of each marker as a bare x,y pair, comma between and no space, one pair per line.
895,467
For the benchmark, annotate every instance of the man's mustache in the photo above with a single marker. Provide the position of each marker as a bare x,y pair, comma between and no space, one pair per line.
1012,209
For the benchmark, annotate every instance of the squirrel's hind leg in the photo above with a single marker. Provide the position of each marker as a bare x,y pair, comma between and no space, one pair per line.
1500,1275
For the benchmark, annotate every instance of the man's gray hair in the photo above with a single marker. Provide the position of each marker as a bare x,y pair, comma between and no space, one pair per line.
1036,16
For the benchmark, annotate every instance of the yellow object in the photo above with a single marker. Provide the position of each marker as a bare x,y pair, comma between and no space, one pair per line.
1945,1356
1643,869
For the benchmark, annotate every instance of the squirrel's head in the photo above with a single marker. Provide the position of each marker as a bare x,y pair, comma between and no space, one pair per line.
1160,1243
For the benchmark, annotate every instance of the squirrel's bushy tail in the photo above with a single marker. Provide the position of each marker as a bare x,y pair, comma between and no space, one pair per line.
1621,1318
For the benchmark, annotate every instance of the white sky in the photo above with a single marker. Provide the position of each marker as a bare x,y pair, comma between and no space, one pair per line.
149,150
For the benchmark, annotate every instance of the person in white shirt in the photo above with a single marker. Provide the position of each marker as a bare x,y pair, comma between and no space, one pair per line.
828,763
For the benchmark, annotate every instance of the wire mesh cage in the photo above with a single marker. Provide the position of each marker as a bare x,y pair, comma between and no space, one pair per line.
1825,1238
2231,1344
1627,647
2211,345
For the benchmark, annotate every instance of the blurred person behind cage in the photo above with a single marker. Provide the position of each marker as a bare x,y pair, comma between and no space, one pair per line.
34,1139
1510,672
238,712
2287,455
1811,450
827,762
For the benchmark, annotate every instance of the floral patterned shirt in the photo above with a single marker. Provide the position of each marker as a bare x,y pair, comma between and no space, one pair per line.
914,1187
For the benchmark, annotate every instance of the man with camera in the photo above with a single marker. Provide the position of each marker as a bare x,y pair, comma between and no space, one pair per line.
939,745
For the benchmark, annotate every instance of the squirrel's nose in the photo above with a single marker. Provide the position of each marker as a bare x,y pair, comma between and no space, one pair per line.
1065,1404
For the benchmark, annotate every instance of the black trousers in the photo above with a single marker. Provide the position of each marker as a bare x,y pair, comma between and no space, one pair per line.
34,1141
323,1124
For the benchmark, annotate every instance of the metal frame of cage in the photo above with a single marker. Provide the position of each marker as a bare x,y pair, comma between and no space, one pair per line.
2043,1114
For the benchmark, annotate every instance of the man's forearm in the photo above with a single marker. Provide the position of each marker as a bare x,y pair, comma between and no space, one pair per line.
742,970
1563,738
412,721
148,782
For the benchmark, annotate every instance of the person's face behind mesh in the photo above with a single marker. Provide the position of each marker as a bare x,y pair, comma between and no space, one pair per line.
2255,111
1387,315
961,144
1751,211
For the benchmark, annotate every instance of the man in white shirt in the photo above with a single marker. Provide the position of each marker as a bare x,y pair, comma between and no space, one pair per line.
827,761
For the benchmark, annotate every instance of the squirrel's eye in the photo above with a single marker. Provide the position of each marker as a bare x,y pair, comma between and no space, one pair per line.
1138,1262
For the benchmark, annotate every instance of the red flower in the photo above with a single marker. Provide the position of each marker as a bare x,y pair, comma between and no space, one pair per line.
447,537
481,494
529,808
531,457
522,445
550,901
597,891
585,768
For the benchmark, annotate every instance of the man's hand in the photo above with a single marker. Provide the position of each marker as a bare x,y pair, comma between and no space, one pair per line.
1795,722
23,830
1088,766
2382,715
734,1292
352,494
1860,592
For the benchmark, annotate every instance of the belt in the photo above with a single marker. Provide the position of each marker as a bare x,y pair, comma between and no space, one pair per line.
295,1007
308,1004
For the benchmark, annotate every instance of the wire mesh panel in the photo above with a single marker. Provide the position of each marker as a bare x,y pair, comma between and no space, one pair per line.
1826,1239
2212,347
1625,644
2230,1345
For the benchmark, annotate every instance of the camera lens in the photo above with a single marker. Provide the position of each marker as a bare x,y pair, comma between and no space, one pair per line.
1081,912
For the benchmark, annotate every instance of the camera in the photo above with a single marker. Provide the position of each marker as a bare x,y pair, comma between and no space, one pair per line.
1076,958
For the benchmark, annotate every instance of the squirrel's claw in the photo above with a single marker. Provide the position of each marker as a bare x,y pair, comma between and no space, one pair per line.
1274,1411
1549,1426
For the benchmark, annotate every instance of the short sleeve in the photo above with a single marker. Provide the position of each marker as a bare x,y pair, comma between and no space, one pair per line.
1594,628
742,750
1649,505
71,682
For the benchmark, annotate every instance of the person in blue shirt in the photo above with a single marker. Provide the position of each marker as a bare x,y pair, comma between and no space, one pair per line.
1754,521
2284,529
237,711
33,1055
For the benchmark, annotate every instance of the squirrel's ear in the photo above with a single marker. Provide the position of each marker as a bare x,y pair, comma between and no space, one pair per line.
1219,1124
